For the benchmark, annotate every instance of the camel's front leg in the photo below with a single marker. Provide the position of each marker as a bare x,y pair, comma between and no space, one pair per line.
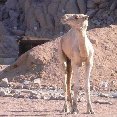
89,66
76,77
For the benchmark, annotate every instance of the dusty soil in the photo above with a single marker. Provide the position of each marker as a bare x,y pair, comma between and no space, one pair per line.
35,107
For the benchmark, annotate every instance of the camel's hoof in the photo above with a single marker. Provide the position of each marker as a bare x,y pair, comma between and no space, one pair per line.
90,112
75,111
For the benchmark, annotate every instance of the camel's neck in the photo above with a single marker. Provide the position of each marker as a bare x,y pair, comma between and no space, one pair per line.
81,36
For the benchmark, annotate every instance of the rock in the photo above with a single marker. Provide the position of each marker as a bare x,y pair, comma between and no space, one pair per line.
4,83
99,1
47,97
11,4
51,88
16,95
2,93
59,96
2,30
39,96
114,95
18,32
53,7
26,82
91,12
104,95
91,4
5,91
13,18
115,12
114,5
102,102
71,7
103,5
96,22
21,96
40,17
33,97
37,81
32,93
16,85
8,49
82,6
19,86
110,20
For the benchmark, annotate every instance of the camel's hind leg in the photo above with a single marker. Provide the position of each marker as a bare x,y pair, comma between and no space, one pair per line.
76,77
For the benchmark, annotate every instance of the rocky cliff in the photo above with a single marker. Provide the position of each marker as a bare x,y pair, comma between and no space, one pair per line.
41,18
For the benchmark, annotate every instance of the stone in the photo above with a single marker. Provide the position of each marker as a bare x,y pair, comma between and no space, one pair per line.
16,95
82,6
52,7
33,97
114,5
91,12
2,30
99,1
5,91
110,20
11,4
115,12
51,88
13,18
8,50
47,97
7,61
4,83
96,22
114,95
18,32
102,102
71,7
40,17
2,93
38,80
104,95
91,4
103,5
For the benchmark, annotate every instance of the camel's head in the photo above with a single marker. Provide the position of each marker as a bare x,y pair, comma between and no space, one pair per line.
77,21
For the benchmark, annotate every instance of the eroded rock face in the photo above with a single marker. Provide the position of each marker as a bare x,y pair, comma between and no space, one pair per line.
41,18
8,44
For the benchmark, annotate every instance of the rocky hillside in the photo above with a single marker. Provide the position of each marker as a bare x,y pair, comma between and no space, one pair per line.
42,62
41,18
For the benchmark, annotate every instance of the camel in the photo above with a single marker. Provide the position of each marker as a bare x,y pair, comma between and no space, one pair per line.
74,49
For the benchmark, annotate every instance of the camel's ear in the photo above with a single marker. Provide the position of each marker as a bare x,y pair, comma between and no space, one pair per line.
76,17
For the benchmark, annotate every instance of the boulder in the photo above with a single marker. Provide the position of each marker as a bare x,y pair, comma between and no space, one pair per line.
4,83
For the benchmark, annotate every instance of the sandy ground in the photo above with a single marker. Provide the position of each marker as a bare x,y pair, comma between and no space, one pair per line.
12,107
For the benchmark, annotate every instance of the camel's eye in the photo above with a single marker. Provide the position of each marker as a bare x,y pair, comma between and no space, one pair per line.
86,17
76,17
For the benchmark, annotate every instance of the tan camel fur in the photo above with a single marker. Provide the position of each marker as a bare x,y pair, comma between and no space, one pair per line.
74,49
